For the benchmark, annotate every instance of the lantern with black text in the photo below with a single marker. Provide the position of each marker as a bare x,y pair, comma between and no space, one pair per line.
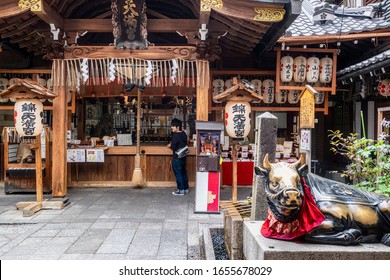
286,68
237,119
299,69
326,66
313,69
28,117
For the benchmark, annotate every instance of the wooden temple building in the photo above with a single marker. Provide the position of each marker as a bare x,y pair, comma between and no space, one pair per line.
122,69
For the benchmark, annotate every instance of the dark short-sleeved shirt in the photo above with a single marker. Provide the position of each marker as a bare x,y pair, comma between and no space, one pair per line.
179,140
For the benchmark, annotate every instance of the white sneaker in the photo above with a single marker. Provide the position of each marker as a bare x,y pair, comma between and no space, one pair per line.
178,192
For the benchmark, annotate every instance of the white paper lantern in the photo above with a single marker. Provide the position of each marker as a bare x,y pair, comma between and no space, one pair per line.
326,68
299,69
268,91
286,68
42,82
218,87
281,97
28,117
319,97
293,96
384,87
3,85
257,88
12,81
237,119
228,83
313,69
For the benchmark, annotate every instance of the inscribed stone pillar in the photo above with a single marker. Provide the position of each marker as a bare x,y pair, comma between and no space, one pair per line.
265,140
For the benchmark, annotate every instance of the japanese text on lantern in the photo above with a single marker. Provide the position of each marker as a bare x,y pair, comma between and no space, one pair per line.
239,119
306,111
28,118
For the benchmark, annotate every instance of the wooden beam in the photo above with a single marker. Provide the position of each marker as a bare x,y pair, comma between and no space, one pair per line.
153,52
9,8
154,25
309,40
49,15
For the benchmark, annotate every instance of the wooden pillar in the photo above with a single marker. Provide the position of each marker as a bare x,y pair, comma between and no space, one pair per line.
60,116
234,170
38,168
202,90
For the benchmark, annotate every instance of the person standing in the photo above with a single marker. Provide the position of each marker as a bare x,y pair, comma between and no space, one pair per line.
179,140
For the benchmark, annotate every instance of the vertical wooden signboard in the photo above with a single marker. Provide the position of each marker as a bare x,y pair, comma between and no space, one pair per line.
307,106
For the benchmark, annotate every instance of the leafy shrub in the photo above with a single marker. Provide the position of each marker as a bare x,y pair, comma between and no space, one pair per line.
369,161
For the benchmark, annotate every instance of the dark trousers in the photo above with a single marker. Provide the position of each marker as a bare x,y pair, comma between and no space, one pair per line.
179,168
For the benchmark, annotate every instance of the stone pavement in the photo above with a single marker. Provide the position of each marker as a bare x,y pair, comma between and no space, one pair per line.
108,223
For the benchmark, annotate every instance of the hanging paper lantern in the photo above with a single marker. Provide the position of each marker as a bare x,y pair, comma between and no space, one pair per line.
257,88
319,97
281,97
268,91
12,81
42,82
313,69
384,87
228,83
293,96
28,117
326,68
237,119
3,85
218,87
286,68
299,69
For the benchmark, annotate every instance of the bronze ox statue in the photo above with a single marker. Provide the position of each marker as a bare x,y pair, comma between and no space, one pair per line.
319,210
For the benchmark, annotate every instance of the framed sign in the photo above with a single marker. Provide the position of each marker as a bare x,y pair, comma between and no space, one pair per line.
305,140
307,108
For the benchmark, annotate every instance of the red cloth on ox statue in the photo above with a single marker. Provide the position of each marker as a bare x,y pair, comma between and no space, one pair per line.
308,218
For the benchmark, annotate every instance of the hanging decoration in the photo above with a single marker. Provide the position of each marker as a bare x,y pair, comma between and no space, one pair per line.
111,68
286,69
129,23
174,70
281,97
98,72
326,66
319,97
299,69
28,117
237,118
257,88
228,83
218,87
313,69
384,87
293,96
3,85
268,91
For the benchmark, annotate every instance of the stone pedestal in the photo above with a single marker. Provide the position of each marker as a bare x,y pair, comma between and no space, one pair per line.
257,247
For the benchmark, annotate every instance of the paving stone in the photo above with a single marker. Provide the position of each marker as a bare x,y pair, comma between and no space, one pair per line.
105,224
117,242
89,242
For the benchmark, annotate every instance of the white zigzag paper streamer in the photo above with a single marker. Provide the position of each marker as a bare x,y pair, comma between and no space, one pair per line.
78,82
112,70
174,70
85,69
148,73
